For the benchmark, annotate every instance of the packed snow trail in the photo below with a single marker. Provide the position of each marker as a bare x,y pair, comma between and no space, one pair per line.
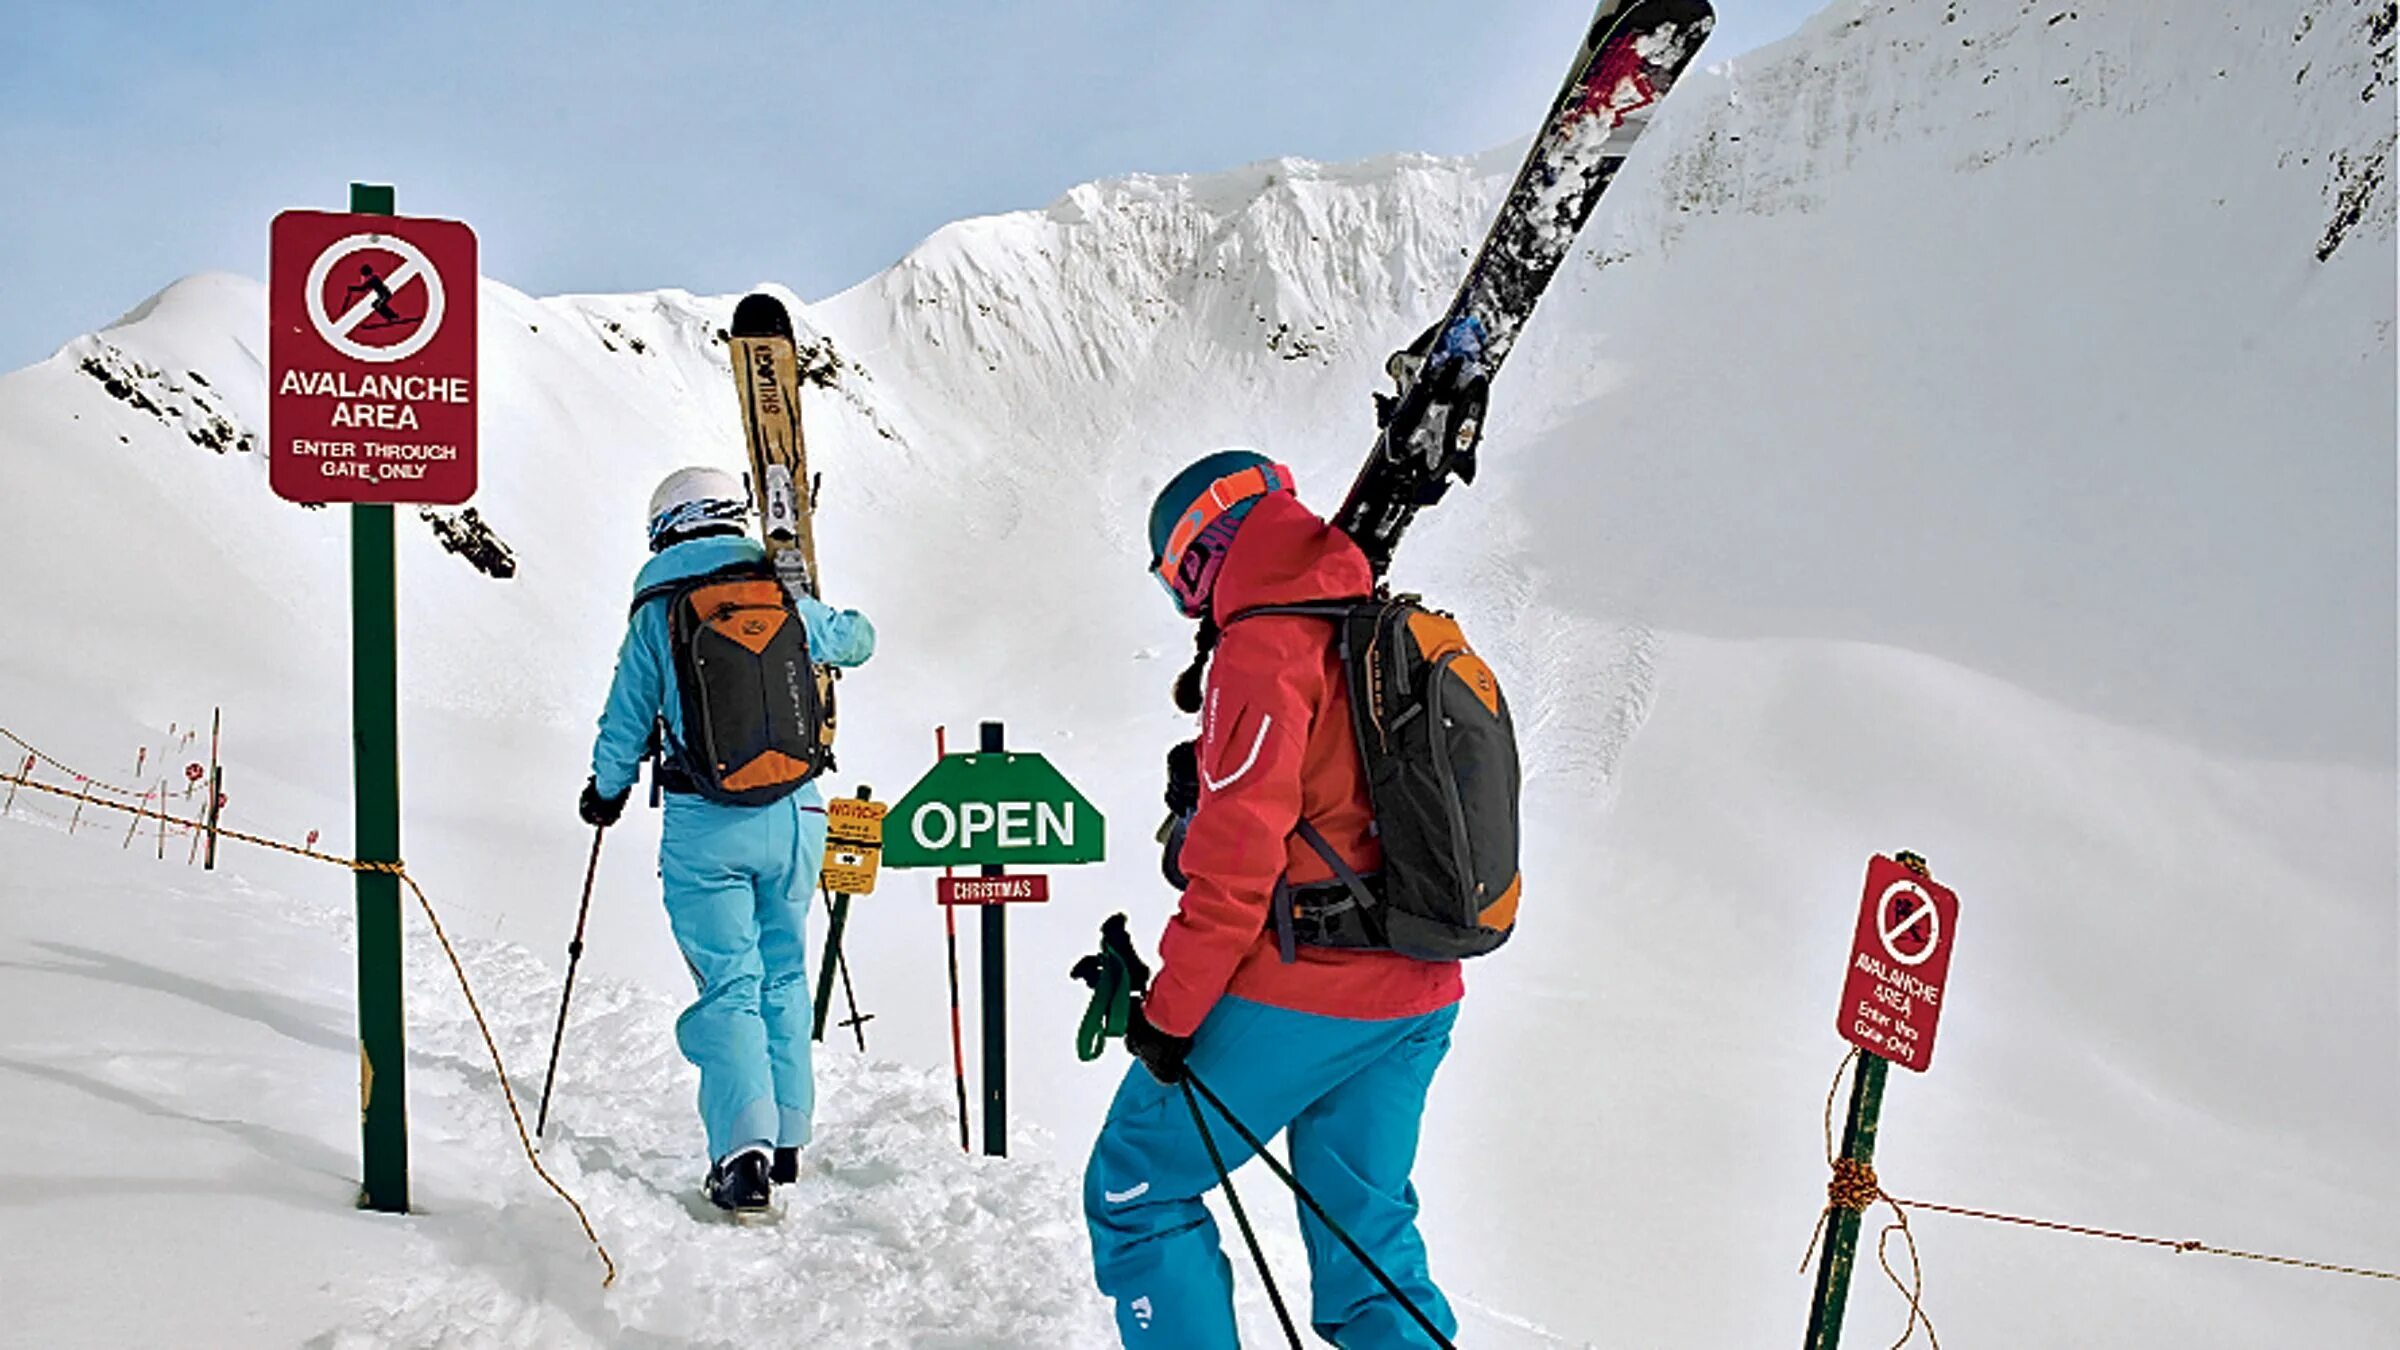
198,1030
891,1238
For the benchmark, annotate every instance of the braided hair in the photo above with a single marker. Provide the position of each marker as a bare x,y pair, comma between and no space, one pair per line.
1188,685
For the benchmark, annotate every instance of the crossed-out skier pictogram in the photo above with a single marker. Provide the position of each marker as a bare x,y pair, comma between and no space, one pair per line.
373,323
381,301
1905,918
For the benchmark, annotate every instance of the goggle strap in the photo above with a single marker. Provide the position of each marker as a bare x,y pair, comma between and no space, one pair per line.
1243,484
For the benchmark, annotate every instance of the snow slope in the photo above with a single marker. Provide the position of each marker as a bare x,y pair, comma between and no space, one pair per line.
1951,438
188,1061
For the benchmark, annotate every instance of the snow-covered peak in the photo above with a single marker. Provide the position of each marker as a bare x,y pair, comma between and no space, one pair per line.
1283,258
1195,295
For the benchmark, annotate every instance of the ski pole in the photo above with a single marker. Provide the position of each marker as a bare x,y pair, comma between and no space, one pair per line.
857,1021
1241,1217
958,1035
1284,1175
541,1120
837,916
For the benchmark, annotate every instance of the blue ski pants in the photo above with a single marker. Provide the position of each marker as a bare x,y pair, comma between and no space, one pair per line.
1352,1094
737,884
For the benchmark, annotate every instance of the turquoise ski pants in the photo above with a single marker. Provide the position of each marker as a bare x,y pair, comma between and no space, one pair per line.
1351,1093
737,882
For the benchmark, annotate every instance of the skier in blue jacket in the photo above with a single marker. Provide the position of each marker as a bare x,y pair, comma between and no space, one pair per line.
737,878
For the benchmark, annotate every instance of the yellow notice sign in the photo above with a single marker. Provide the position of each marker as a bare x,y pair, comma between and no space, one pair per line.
853,845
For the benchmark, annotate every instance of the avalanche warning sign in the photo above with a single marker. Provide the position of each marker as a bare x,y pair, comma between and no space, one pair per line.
371,358
1899,961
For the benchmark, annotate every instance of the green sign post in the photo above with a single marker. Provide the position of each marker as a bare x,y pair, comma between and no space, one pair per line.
371,374
993,809
375,745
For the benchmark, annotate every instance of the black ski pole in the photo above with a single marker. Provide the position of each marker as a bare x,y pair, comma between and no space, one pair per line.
1284,1175
857,1021
541,1120
837,917
1240,1216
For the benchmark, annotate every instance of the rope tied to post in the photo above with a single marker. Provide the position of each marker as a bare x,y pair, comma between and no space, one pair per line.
1854,1189
399,870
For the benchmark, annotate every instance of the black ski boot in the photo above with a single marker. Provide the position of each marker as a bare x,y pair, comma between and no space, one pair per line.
787,1166
738,1183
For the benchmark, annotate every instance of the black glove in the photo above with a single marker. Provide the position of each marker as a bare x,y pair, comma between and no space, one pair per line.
1161,1053
1170,853
598,810
1183,779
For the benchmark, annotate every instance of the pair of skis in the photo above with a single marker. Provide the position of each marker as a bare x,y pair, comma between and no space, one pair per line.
1631,56
766,374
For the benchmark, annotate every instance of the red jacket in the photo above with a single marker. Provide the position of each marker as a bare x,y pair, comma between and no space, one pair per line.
1276,745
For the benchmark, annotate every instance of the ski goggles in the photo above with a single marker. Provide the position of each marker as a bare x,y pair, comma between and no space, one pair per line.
1196,546
687,515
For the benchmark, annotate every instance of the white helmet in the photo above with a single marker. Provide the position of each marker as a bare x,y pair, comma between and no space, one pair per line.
692,498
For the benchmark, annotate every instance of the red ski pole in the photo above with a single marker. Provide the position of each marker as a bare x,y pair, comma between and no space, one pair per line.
958,1035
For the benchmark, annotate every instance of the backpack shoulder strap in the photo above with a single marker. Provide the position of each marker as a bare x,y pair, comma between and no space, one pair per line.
740,571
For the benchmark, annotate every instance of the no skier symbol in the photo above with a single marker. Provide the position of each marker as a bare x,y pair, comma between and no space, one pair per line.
1908,924
1894,987
375,298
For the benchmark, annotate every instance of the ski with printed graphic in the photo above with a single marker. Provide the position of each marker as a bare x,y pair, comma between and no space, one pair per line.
766,373
1631,56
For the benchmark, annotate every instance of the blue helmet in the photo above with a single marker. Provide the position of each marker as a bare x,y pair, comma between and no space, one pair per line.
1196,514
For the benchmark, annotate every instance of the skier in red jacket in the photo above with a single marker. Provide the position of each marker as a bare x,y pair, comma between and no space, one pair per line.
1337,1045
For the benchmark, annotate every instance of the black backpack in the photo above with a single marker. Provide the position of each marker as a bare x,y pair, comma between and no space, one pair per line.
1440,757
754,724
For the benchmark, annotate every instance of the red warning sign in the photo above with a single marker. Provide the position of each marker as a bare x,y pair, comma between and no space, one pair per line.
1899,962
371,359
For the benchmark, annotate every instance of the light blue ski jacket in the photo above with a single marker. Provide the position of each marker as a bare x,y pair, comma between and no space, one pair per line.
644,687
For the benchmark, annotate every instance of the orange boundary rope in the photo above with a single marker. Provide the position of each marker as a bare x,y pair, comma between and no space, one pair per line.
1854,1187
2184,1246
458,968
29,748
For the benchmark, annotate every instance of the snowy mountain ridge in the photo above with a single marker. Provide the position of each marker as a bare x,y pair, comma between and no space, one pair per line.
1974,83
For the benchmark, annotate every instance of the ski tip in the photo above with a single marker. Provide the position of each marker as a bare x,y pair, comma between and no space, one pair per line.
761,315
1647,16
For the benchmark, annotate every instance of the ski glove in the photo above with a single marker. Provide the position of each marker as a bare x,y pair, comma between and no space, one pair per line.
1161,1053
1183,779
1183,798
1117,975
598,810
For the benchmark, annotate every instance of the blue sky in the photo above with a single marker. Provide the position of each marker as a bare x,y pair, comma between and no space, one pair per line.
605,146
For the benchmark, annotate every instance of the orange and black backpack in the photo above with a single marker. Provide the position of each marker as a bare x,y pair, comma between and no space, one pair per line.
1440,755
754,725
